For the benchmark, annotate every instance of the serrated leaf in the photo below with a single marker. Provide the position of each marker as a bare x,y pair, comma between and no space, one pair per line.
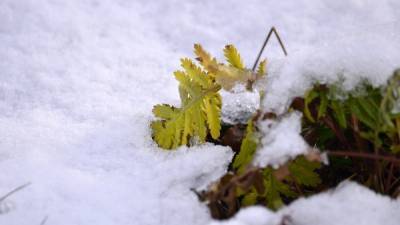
199,112
233,57
209,63
274,189
164,111
212,105
262,68
195,73
247,149
303,172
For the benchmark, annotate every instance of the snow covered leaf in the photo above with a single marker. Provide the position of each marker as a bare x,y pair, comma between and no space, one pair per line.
233,57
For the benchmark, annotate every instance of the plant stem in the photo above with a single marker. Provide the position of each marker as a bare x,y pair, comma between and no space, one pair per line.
365,155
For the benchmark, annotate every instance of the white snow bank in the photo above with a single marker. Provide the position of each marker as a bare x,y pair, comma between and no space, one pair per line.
78,80
370,53
239,104
281,141
348,204
145,188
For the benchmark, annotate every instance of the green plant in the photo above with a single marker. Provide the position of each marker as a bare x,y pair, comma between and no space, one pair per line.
359,129
246,185
199,113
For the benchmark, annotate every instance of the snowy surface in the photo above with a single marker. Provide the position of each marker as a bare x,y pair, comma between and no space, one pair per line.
239,105
349,203
79,78
281,141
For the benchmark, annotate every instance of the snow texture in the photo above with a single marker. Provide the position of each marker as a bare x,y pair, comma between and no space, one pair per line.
78,80
349,203
281,141
239,105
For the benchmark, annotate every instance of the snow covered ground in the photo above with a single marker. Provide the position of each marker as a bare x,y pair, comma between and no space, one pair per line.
78,79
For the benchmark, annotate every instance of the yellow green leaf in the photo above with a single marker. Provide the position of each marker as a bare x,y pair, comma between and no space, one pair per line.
233,57
262,68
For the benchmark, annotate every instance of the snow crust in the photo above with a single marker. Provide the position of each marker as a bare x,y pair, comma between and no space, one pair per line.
78,80
349,203
280,141
239,105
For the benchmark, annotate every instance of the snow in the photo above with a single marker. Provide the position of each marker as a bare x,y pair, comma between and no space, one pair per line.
79,78
349,203
239,105
281,141
370,53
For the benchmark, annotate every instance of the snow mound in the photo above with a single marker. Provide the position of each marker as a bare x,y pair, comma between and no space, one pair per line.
281,141
348,204
239,105
79,78
362,54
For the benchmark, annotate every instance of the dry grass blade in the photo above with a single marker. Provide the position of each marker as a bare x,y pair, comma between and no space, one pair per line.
14,191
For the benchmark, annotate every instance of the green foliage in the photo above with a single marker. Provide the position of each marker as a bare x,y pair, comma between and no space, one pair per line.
371,107
199,113
275,189
262,68
362,124
247,149
233,57
302,171
272,187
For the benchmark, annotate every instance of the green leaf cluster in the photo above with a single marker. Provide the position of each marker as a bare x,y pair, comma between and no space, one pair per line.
359,128
199,113
373,109
269,186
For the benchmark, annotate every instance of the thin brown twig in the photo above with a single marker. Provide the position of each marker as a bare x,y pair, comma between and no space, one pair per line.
14,191
334,127
365,155
271,31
